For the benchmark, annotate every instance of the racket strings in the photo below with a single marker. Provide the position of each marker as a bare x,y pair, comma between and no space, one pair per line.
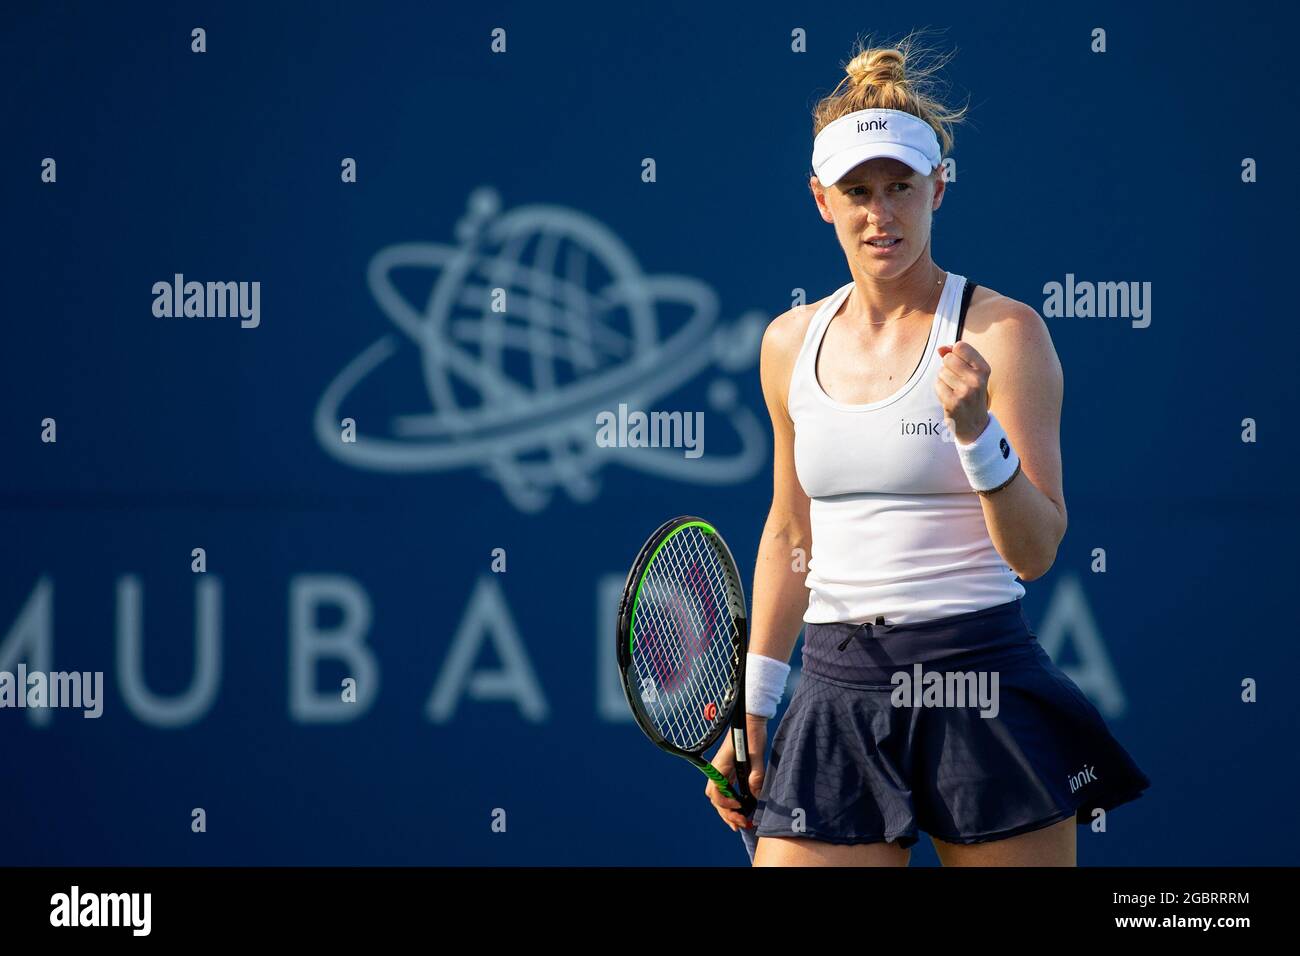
685,640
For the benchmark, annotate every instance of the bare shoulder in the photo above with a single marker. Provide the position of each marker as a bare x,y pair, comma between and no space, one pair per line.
1012,337
781,343
786,332
993,316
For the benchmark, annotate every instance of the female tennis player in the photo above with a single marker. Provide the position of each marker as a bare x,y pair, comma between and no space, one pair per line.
916,418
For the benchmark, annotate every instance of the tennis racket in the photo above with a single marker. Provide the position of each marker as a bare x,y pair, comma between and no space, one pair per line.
682,639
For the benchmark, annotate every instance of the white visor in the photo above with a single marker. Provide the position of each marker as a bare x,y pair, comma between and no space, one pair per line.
873,134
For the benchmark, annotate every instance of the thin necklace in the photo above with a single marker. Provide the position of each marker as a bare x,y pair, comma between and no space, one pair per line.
938,281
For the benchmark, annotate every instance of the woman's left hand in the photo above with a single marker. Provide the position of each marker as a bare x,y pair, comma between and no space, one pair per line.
962,387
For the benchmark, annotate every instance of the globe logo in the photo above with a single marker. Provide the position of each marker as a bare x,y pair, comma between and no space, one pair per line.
536,320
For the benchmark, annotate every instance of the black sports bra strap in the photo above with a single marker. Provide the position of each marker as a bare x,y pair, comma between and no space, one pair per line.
965,304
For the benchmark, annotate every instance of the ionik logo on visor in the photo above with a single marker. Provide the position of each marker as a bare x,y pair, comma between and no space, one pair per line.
868,134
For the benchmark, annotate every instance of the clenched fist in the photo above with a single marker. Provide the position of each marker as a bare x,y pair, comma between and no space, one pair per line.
962,387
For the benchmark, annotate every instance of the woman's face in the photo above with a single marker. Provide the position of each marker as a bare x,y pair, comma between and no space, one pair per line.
881,198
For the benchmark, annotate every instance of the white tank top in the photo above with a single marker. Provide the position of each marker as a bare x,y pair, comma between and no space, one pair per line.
897,531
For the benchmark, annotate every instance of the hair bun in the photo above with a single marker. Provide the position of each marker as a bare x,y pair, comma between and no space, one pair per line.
900,75
878,68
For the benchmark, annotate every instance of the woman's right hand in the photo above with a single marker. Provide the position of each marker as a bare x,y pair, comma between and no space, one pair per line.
724,761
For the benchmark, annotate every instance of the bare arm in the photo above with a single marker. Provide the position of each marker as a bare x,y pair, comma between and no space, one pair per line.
1024,384
780,596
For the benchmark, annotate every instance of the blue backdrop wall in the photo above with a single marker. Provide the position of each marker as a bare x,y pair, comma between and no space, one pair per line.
482,690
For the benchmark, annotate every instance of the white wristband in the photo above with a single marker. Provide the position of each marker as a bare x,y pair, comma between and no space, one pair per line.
989,462
764,684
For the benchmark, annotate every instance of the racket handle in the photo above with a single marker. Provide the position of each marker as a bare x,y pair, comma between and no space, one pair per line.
735,792
742,793
740,790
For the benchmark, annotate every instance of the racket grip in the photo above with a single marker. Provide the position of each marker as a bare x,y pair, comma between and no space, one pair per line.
740,791
736,792
748,804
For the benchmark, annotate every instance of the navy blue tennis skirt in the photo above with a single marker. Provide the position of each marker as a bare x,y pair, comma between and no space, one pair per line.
961,727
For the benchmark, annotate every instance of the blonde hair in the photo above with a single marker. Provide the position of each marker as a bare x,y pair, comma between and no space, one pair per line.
897,78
